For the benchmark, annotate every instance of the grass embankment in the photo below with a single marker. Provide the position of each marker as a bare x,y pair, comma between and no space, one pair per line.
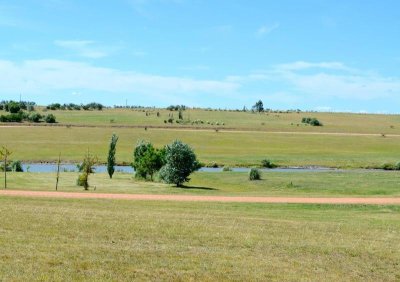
228,148
300,184
106,240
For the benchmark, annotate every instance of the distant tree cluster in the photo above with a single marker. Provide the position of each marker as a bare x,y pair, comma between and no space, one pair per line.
23,111
75,107
15,107
176,108
311,121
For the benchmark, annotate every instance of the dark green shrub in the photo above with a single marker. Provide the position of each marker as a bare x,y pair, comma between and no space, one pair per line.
254,174
11,118
267,164
390,166
50,118
311,121
34,117
14,107
17,166
147,160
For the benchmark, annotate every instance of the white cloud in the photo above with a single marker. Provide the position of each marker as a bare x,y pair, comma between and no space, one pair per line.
322,80
265,29
301,65
84,48
47,76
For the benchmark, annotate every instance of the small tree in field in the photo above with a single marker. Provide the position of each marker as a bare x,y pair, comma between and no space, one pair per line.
86,168
111,155
258,107
4,154
147,160
254,174
180,162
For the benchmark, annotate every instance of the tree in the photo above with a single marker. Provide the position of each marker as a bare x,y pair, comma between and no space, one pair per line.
4,154
14,107
111,155
86,168
254,174
50,118
147,160
258,107
16,166
180,162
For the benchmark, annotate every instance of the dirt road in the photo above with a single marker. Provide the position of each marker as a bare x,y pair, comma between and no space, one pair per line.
190,198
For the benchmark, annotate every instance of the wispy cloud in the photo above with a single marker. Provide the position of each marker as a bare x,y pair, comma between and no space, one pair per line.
302,65
266,29
323,80
83,48
47,76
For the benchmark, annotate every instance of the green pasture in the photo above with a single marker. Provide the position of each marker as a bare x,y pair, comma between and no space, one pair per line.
110,240
223,147
302,184
333,122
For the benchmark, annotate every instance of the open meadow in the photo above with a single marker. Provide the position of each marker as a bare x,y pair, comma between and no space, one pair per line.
300,184
49,239
108,240
345,140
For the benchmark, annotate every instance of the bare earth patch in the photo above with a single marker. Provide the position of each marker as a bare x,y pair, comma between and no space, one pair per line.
188,198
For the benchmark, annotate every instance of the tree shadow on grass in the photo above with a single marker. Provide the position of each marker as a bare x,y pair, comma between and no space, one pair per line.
196,188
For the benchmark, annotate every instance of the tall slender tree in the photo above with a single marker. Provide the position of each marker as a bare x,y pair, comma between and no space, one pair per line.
111,155
4,154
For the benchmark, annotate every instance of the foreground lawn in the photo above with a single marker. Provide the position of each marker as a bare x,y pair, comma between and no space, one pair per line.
304,184
229,148
106,240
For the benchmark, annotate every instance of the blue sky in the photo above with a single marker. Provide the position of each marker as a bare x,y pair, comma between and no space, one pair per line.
313,55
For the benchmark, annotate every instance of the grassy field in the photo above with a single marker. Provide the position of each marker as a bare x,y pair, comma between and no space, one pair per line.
229,148
99,240
333,122
303,184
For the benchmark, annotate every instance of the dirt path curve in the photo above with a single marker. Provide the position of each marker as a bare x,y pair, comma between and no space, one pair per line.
189,198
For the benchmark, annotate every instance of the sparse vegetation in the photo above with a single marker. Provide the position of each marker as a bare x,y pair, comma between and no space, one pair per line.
86,168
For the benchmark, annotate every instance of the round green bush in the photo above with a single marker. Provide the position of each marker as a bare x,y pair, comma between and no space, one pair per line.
254,174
